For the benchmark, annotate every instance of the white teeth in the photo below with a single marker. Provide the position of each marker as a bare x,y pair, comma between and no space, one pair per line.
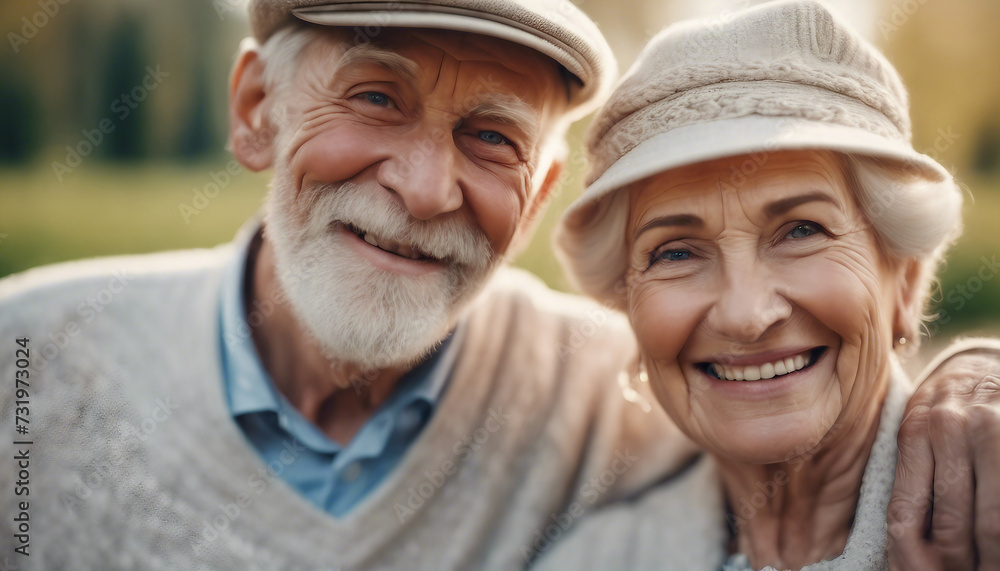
765,371
393,247
780,368
790,364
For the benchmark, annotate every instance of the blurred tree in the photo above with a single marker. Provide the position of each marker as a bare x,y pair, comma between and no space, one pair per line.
198,136
948,54
124,91
19,136
986,160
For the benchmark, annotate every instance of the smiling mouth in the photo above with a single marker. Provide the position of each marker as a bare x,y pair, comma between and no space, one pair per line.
390,246
776,368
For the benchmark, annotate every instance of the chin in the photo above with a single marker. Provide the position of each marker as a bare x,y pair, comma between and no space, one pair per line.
362,315
773,440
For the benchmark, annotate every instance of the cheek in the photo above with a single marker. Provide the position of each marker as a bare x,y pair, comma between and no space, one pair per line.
843,290
283,200
664,317
494,200
336,153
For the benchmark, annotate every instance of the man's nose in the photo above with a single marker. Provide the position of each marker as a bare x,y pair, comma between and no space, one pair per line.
749,303
424,173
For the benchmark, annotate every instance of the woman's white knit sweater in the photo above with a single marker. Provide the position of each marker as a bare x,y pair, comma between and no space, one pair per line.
135,462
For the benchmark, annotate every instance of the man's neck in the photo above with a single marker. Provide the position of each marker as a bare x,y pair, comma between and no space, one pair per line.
337,397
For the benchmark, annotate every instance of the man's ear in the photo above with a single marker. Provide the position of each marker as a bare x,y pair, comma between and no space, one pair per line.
535,209
908,298
251,132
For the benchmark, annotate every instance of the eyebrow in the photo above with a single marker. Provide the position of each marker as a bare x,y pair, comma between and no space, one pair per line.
776,208
387,59
779,207
509,110
673,220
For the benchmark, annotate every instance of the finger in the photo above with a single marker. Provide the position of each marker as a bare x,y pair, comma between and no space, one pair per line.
911,493
984,424
953,508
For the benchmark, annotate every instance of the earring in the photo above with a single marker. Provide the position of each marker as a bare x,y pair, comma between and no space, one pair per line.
904,348
629,382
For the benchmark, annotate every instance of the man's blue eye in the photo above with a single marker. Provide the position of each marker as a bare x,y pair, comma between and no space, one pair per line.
803,231
376,98
492,137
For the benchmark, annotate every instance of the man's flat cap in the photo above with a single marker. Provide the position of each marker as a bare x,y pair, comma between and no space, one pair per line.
555,28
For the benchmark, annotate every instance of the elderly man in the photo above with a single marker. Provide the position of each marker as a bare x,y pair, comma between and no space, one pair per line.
355,383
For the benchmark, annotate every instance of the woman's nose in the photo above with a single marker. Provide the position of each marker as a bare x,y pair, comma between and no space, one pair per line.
749,304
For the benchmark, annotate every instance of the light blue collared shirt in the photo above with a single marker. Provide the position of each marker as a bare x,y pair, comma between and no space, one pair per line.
332,476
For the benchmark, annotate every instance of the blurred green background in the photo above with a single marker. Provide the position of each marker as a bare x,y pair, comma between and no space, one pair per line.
113,119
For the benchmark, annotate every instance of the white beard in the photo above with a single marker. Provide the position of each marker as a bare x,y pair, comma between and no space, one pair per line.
357,313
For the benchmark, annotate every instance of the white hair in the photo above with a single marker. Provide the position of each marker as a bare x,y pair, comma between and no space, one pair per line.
280,53
911,217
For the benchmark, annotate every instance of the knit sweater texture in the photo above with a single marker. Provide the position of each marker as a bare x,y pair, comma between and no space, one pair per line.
136,464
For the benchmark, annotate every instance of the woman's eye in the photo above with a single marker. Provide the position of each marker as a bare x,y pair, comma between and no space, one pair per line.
493,138
376,98
804,230
671,256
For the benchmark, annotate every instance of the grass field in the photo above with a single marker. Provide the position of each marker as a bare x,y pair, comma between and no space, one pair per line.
100,210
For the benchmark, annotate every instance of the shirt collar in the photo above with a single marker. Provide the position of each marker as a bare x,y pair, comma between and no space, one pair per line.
250,389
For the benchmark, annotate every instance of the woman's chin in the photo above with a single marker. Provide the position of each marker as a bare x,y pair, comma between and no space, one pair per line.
768,440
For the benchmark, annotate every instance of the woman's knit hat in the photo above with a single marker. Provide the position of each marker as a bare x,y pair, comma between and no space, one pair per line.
780,76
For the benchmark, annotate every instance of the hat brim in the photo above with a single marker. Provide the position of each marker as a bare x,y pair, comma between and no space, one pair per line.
743,136
441,17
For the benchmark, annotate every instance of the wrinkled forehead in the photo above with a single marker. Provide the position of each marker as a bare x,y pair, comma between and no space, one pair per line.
501,64
748,180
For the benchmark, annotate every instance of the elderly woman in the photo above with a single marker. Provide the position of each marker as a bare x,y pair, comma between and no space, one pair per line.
757,210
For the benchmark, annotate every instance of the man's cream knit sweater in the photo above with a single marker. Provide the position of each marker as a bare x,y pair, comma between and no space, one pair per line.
136,464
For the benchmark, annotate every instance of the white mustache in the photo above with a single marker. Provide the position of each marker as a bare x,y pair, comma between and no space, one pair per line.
367,207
